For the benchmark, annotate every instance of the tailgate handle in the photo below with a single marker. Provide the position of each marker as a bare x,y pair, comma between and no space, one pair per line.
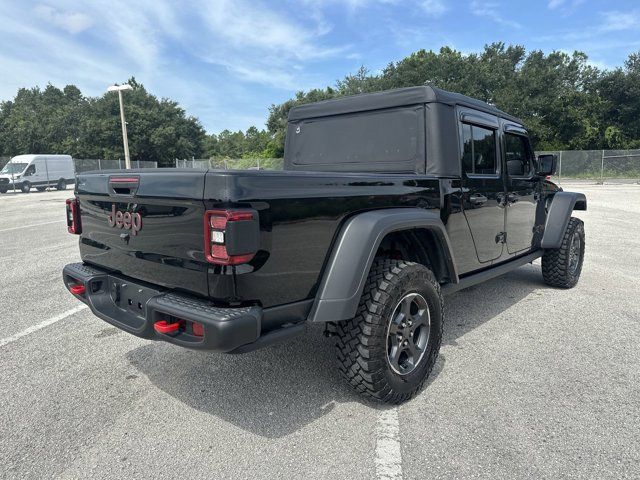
124,185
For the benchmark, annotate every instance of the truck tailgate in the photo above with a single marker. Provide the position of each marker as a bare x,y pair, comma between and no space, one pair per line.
146,224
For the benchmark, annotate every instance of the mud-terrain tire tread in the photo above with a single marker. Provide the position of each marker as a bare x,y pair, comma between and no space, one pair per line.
360,353
555,261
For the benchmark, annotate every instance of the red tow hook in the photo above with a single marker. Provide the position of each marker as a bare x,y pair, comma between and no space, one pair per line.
163,327
77,289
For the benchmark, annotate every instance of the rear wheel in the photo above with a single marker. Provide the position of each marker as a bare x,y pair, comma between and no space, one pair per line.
388,350
62,185
26,187
561,267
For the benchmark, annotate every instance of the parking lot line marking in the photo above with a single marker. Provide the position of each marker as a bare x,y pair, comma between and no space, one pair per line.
388,452
41,325
33,225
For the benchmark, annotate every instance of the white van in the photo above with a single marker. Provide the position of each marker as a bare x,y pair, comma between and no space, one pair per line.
40,171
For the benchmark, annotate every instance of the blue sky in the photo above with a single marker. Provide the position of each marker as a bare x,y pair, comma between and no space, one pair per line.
225,62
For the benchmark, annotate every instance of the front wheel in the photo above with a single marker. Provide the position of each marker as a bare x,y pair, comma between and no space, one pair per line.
561,267
388,349
26,187
4,189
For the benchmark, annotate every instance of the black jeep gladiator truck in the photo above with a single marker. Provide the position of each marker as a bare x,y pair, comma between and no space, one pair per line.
387,202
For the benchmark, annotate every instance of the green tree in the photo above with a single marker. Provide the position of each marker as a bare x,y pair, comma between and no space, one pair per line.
565,102
64,121
620,93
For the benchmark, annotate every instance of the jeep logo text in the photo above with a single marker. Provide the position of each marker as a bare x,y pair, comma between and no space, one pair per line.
126,220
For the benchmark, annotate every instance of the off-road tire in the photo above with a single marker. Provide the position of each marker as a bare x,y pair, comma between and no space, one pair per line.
25,187
62,185
556,262
361,343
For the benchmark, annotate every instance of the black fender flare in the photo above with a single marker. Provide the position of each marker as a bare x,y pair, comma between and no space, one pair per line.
353,253
562,204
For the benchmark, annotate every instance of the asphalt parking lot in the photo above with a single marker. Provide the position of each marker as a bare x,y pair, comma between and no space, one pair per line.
532,382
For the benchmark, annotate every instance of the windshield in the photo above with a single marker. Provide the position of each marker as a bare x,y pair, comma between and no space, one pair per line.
14,168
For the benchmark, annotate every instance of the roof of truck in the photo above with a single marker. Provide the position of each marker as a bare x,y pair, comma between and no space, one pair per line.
393,98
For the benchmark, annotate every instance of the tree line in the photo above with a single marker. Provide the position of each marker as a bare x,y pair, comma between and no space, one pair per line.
566,102
63,121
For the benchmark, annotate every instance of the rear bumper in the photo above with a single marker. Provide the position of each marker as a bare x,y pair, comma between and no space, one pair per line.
135,308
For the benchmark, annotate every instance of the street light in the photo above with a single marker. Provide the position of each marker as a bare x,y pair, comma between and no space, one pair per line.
120,89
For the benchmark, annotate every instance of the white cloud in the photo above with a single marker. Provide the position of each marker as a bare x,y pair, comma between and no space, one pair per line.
434,8
491,10
617,21
206,54
565,6
245,25
72,22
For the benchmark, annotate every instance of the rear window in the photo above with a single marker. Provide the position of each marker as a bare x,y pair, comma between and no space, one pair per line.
390,140
479,150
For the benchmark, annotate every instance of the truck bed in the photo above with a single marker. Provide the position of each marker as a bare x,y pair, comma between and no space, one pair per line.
299,215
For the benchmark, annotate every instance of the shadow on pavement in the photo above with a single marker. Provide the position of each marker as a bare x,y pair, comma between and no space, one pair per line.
473,306
278,390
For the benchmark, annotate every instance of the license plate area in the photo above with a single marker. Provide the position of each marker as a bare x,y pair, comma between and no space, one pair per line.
130,297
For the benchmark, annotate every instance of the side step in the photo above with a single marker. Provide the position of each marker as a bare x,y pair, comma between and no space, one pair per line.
490,273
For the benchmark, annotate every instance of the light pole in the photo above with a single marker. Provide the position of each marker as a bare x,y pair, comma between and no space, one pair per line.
120,89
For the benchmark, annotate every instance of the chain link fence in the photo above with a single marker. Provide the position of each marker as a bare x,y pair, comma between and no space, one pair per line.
598,165
232,163
87,164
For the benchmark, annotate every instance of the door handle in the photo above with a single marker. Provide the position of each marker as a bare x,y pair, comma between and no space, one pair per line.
477,200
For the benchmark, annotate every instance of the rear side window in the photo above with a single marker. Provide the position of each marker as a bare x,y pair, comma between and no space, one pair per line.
479,150
516,148
383,140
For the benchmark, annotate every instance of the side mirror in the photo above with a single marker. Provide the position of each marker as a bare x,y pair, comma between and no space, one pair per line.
547,165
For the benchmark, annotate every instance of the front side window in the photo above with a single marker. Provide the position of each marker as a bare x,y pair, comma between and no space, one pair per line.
516,148
479,150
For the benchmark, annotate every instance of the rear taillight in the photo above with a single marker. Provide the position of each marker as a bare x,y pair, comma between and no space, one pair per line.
73,216
230,236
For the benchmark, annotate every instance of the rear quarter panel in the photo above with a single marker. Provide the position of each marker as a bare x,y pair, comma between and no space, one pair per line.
300,215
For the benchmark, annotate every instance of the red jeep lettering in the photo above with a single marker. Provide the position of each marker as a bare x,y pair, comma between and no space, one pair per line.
126,220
